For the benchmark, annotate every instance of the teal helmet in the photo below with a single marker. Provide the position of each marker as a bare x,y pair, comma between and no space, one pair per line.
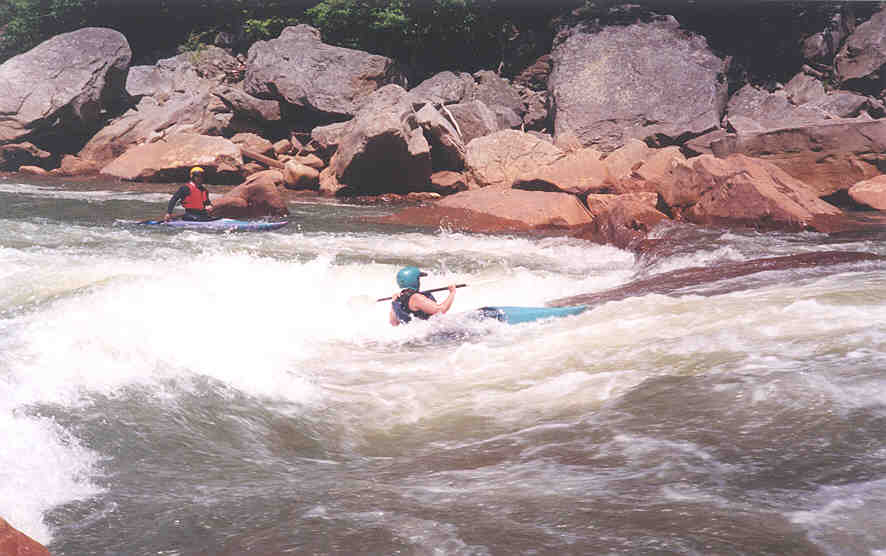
408,277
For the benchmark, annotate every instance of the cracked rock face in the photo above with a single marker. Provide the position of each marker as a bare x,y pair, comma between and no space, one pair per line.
63,84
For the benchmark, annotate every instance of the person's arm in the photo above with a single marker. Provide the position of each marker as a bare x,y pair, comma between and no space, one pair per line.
176,197
392,317
208,204
420,302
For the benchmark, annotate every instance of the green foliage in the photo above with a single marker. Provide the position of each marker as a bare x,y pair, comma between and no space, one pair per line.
260,29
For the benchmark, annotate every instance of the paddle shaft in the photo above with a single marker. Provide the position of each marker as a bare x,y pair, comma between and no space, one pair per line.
424,291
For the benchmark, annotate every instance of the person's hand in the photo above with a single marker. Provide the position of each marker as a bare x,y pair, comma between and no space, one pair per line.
452,289
209,209
166,217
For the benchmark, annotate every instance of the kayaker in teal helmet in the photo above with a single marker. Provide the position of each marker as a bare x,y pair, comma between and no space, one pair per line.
409,302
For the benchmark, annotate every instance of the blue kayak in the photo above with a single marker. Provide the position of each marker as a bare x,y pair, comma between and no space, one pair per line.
517,315
220,225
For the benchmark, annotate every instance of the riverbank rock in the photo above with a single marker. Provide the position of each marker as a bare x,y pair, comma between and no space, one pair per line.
741,191
497,160
649,80
383,149
75,166
829,157
622,220
15,543
871,193
863,55
63,85
323,81
257,197
578,173
171,160
15,155
491,210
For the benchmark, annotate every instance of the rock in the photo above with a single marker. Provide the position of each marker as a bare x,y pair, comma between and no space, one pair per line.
329,184
14,155
443,88
33,170
622,162
741,191
447,148
299,176
172,159
821,47
752,109
497,160
500,96
622,220
325,138
75,166
254,143
577,173
310,160
803,88
258,196
248,107
15,543
329,81
491,210
447,182
383,150
474,119
283,146
63,84
829,156
871,193
616,83
863,55
702,143
535,77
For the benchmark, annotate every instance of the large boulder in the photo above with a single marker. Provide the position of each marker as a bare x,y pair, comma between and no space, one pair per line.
743,191
171,160
474,119
258,196
445,87
383,149
829,157
578,172
622,220
863,55
447,148
14,155
181,99
62,85
871,193
329,81
498,160
498,210
650,81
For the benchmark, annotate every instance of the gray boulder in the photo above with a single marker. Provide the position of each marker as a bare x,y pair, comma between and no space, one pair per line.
447,147
474,119
444,88
864,53
330,81
383,149
649,81
62,85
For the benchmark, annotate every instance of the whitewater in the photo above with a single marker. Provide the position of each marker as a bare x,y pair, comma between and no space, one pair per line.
182,392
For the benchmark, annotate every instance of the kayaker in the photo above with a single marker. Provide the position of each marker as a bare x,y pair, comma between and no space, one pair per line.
409,302
194,197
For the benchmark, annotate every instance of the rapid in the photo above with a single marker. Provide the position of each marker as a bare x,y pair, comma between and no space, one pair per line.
180,393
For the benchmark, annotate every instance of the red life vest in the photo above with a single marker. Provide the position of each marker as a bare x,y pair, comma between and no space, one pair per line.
196,199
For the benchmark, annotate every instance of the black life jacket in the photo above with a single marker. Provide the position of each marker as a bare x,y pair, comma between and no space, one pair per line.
401,306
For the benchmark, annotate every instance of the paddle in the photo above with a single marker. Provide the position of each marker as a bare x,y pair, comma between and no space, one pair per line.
366,300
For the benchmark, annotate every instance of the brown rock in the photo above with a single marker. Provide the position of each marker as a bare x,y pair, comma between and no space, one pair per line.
258,196
283,146
448,182
254,143
497,160
171,160
14,155
578,173
744,191
33,170
329,184
75,166
498,210
310,160
15,543
622,162
870,192
622,220
299,176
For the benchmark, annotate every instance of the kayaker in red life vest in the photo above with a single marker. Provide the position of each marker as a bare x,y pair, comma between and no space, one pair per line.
408,302
194,198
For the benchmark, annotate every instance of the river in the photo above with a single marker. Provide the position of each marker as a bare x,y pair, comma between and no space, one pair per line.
175,392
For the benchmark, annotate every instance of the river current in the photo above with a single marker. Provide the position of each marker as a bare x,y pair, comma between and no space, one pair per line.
182,393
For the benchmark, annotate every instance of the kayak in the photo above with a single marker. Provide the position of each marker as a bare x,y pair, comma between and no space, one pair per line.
517,315
220,225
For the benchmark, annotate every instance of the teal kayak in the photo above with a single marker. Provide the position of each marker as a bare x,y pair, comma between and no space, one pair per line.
517,315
